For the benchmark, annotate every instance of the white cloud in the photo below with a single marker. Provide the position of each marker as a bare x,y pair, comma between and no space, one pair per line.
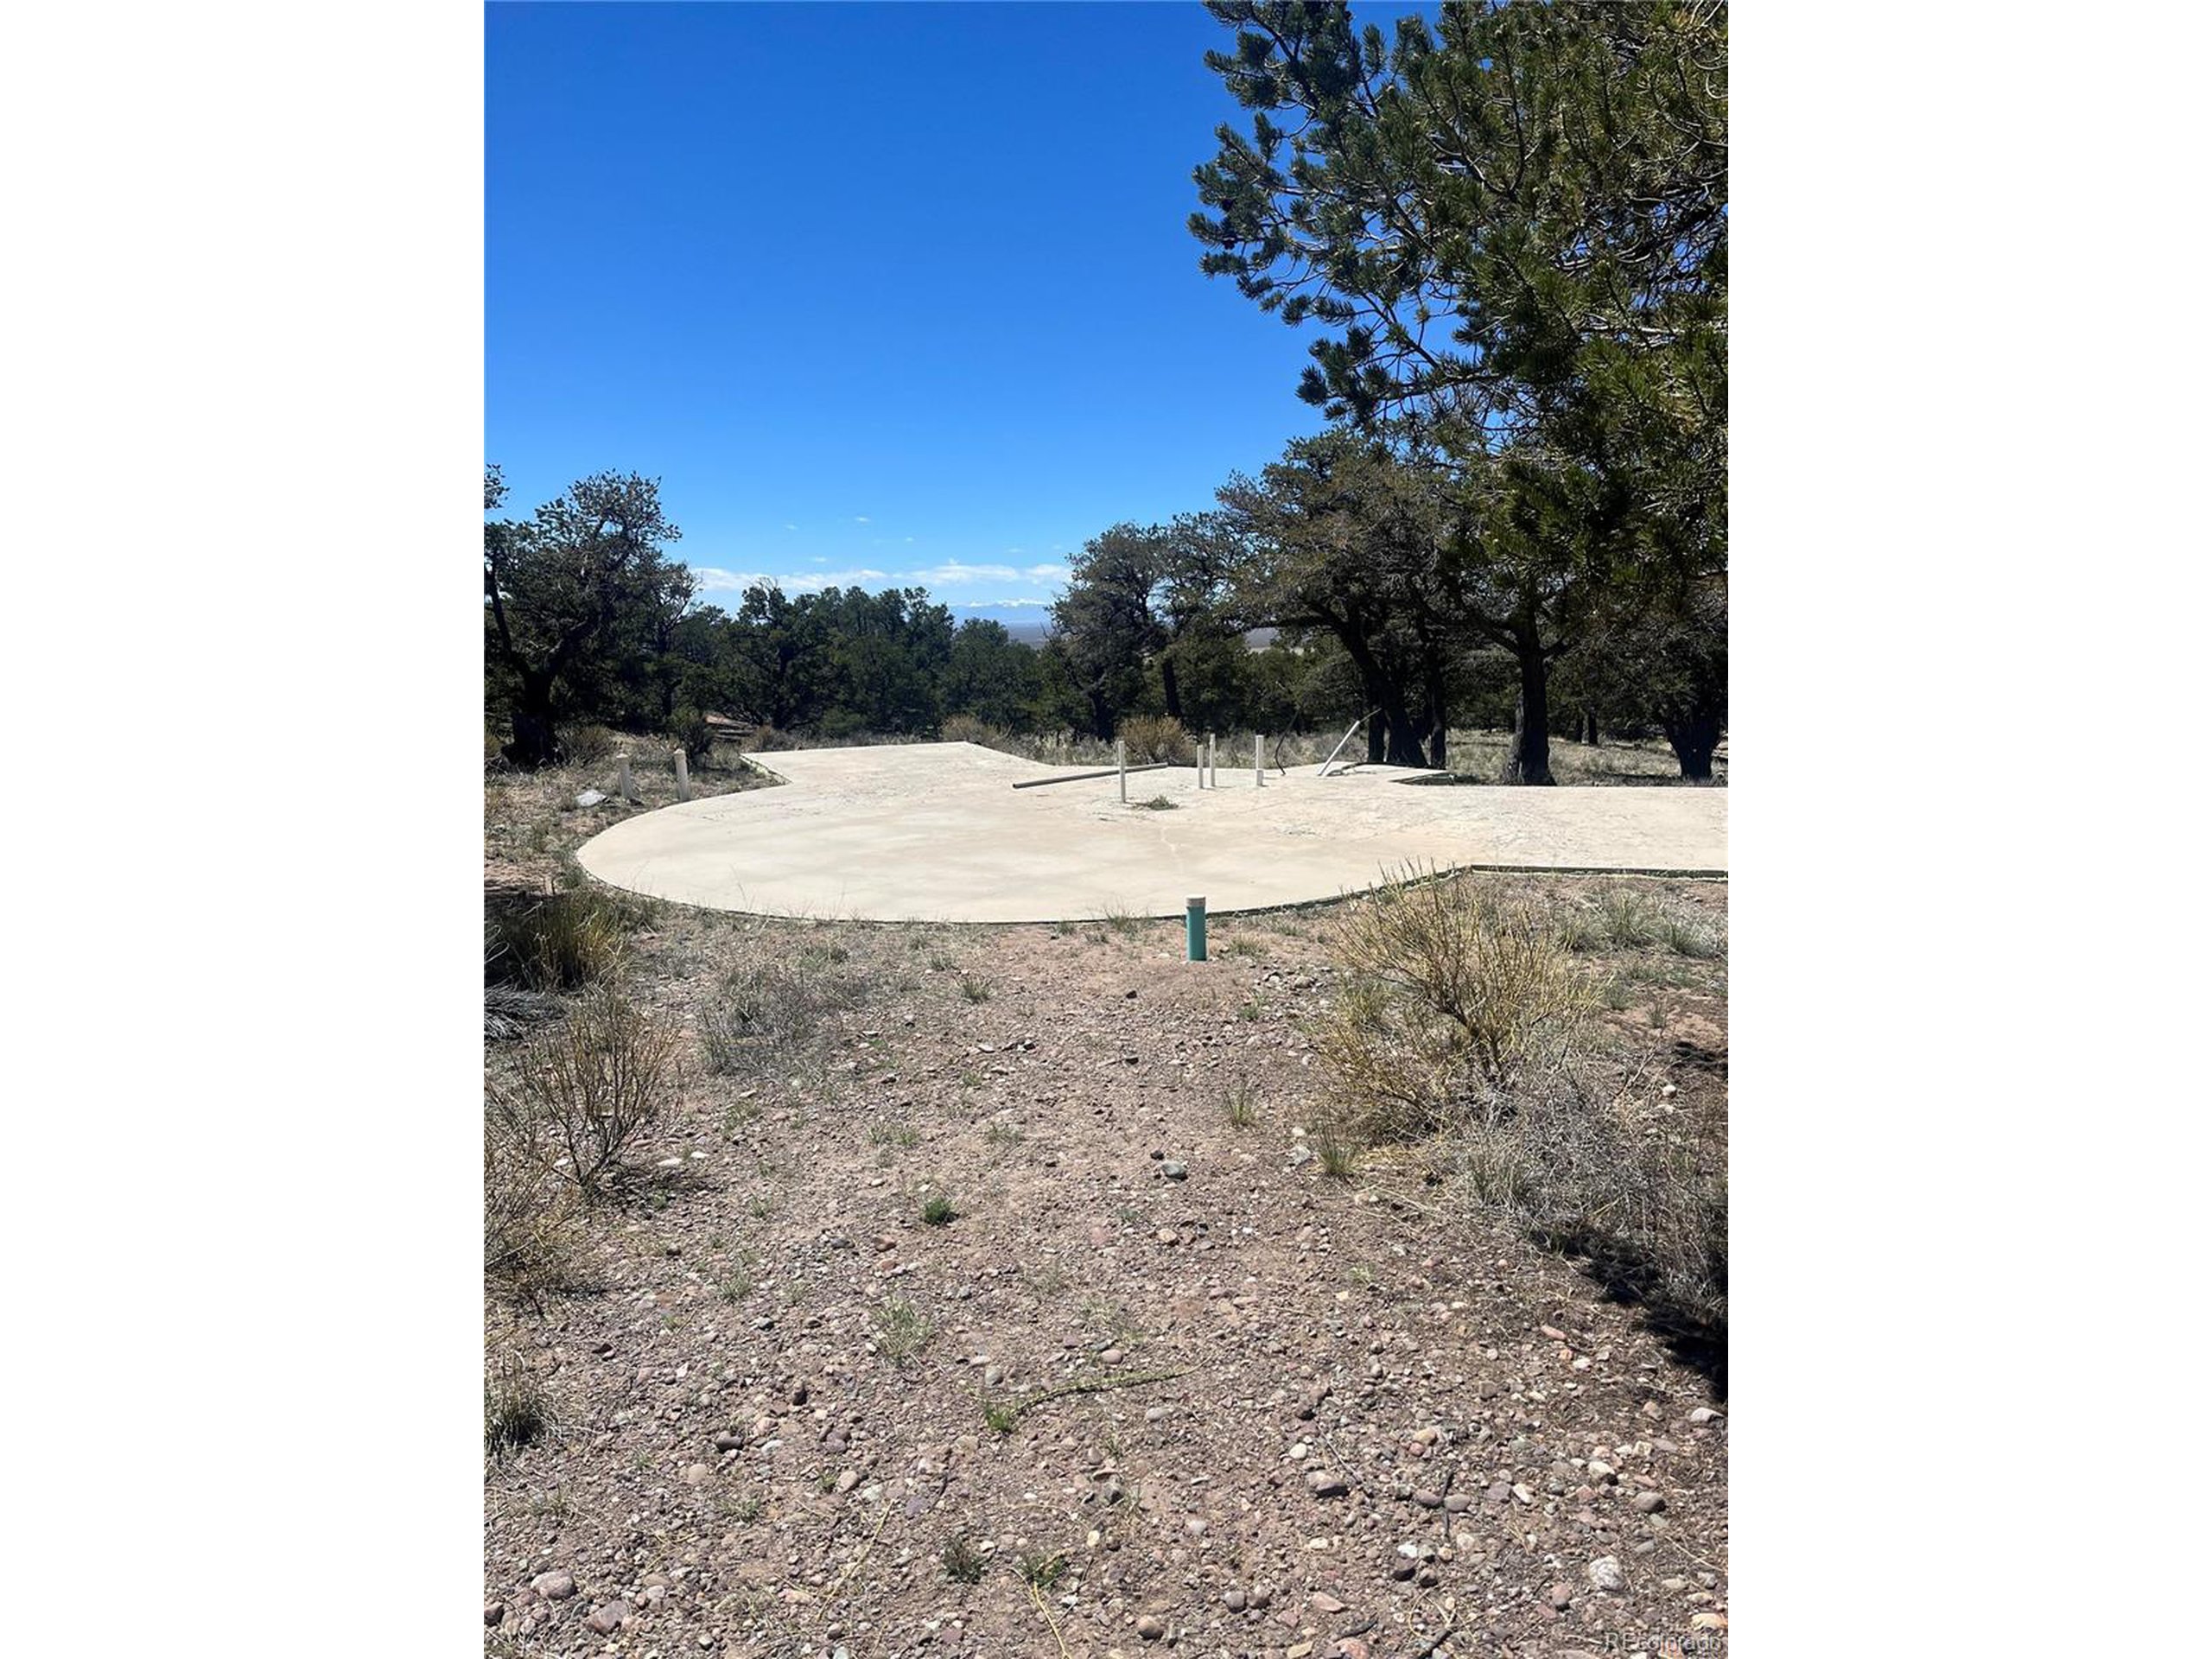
953,572
790,526
863,519
820,579
712,580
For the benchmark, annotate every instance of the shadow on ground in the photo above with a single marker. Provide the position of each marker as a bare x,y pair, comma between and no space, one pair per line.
1694,1334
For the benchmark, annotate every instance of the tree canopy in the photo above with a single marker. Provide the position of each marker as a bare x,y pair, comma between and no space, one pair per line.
573,596
1508,227
1513,228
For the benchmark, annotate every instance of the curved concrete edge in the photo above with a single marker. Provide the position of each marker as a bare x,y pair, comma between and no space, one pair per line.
1213,912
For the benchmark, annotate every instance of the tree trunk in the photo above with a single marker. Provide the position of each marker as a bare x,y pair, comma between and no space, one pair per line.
1167,688
1403,745
536,744
1694,737
1438,727
1693,723
1374,690
1528,757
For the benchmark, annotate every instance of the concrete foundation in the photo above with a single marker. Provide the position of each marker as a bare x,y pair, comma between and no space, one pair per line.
936,832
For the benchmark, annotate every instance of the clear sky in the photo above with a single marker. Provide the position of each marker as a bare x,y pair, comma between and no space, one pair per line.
882,294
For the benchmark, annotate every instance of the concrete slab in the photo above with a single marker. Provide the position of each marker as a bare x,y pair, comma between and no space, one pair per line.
937,832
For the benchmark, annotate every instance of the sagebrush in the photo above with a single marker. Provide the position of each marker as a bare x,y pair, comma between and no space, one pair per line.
1448,991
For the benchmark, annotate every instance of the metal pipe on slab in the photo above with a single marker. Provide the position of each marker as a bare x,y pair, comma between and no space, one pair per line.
1104,772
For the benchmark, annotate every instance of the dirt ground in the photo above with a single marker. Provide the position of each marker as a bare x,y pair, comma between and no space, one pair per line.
1161,1382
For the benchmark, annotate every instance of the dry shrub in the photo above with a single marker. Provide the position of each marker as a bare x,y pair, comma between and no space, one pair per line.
966,729
1448,994
532,1233
1060,749
586,745
1457,1021
587,1093
558,940
1149,738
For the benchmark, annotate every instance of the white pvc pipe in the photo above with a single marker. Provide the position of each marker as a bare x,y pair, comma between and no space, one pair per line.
1258,766
1345,739
682,776
1121,766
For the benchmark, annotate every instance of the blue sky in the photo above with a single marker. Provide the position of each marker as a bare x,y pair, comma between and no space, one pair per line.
882,294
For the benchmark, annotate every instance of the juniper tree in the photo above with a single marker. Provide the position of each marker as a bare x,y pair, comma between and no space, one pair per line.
1135,603
572,595
1339,536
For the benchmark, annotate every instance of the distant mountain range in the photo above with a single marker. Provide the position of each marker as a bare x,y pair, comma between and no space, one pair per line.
1030,624
1027,623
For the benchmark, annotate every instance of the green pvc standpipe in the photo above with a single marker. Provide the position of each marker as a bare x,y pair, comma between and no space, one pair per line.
1194,928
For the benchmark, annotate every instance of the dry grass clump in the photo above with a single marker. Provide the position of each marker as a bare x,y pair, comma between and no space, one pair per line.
1617,760
511,1010
588,745
1337,1149
1628,919
515,1412
966,729
1448,993
1685,939
901,1328
1149,738
1241,1104
963,1563
775,994
1060,749
587,1093
1642,1192
557,941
